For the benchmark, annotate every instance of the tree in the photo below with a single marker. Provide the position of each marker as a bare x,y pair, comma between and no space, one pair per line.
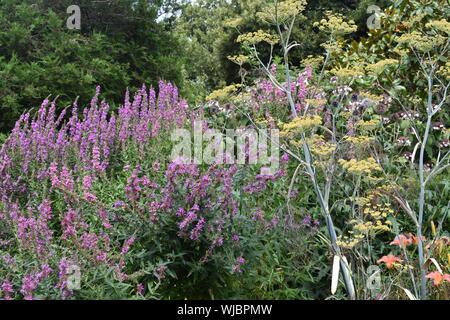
120,45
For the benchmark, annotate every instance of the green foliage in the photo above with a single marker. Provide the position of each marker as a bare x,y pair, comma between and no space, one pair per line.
3,137
213,25
352,138
117,47
380,44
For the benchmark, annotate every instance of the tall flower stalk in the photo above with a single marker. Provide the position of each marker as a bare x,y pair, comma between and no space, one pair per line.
421,44
283,15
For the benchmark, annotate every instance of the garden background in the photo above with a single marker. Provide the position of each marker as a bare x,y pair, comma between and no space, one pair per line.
91,206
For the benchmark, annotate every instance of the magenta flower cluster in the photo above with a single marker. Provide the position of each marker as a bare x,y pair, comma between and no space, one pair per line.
51,208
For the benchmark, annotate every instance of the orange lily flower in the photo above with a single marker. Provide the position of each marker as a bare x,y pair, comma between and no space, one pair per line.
390,260
401,241
438,277
415,239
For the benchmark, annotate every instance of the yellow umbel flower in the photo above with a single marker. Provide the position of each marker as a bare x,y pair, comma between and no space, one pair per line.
367,125
348,72
416,19
335,24
374,219
320,147
280,11
420,41
333,46
316,102
256,37
314,62
349,242
383,189
239,59
360,140
223,93
400,52
323,150
360,167
378,223
441,25
445,70
346,114
380,66
298,125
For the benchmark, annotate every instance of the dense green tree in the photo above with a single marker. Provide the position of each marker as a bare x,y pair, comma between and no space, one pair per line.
121,44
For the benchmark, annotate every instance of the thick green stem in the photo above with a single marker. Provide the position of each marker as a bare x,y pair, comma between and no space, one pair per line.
329,223
288,91
423,282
